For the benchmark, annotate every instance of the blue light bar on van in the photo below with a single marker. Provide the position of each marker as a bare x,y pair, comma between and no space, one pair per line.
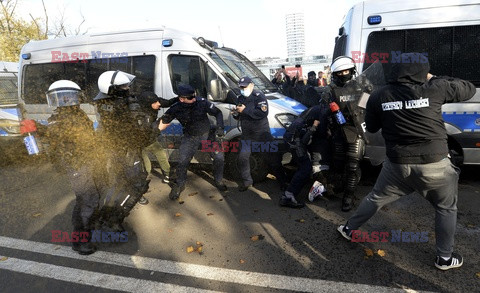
374,19
167,43
26,56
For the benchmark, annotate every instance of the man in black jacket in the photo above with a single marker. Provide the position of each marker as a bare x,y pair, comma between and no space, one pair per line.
408,110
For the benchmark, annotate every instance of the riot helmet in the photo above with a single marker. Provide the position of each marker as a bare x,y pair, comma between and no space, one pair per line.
63,93
343,69
114,83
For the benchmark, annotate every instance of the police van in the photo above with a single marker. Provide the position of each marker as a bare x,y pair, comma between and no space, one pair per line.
446,32
161,59
10,110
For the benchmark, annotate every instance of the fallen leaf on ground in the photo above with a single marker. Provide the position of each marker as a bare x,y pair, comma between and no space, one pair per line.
199,249
3,258
199,243
178,215
470,226
368,252
257,237
242,261
300,220
170,230
193,193
210,214
381,252
478,275
190,249
36,215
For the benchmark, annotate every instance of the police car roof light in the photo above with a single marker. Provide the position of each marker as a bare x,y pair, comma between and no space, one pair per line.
374,19
26,56
167,43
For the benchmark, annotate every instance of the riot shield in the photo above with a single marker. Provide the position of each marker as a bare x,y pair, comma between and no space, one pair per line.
372,78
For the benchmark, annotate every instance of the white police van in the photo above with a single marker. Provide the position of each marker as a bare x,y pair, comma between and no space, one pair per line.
161,59
447,32
11,112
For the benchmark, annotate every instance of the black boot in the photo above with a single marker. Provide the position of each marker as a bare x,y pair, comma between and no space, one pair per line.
84,248
176,191
348,202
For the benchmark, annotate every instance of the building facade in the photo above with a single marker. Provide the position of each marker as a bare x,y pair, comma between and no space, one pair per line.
295,35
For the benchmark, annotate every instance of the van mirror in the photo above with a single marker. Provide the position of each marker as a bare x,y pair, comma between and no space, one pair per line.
216,90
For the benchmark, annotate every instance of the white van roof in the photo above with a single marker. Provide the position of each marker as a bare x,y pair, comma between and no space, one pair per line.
440,9
100,39
8,67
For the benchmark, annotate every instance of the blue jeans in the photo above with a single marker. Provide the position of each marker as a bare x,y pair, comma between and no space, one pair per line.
188,147
437,182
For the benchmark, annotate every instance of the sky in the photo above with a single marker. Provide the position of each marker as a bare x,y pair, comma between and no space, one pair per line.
253,27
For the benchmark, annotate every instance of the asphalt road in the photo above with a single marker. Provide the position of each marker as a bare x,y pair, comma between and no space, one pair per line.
242,242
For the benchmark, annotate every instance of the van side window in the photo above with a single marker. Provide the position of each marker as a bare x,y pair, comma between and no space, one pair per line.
186,70
8,90
38,77
193,71
446,48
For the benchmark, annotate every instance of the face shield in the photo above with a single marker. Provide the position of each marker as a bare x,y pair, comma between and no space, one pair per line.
63,97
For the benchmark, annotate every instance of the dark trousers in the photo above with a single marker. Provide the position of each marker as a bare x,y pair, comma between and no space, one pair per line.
86,196
188,147
436,182
302,174
273,160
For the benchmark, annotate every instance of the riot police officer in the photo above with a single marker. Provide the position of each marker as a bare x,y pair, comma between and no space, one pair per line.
71,139
252,111
191,111
123,133
348,137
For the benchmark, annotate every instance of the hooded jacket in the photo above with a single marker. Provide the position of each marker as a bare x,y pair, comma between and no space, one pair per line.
408,110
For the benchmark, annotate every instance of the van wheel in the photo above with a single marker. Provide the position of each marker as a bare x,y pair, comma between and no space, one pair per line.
258,167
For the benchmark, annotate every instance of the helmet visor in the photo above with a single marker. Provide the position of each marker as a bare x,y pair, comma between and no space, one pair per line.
63,98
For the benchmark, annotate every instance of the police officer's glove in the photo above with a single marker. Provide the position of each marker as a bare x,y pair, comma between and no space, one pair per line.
219,133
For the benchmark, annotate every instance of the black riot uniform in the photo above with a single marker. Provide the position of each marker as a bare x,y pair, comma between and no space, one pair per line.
348,138
71,140
255,128
70,137
123,131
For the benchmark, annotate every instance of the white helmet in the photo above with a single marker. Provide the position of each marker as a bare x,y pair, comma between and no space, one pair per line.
63,93
110,81
342,63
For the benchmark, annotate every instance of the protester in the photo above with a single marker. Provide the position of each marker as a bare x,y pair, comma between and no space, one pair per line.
408,110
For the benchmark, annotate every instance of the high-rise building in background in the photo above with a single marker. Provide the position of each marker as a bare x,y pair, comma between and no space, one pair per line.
295,35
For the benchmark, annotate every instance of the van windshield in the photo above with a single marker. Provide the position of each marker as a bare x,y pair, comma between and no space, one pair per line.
235,66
